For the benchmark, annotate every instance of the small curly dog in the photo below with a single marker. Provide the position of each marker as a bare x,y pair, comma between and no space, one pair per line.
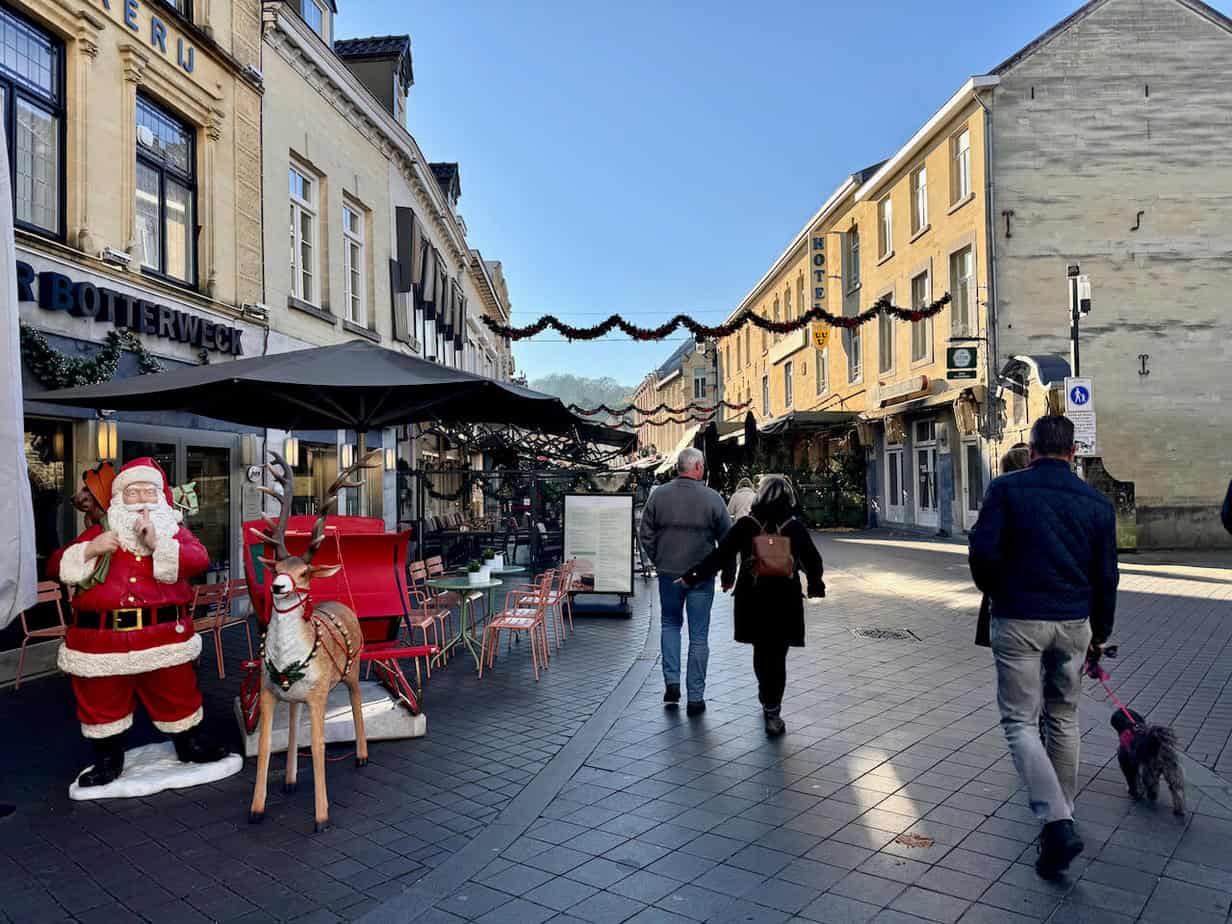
1146,753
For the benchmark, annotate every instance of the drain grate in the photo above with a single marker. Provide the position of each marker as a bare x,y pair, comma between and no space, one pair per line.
885,635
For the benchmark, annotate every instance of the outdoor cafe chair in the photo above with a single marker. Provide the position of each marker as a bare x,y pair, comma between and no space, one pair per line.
438,603
436,569
210,606
48,592
423,615
523,612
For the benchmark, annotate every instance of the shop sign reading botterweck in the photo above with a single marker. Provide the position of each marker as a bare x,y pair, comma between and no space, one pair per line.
57,292
960,362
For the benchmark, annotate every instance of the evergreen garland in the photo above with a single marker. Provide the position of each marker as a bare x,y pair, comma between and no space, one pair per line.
55,370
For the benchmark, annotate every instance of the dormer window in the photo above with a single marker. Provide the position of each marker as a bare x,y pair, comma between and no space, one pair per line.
314,13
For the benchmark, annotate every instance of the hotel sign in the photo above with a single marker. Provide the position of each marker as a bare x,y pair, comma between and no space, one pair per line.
184,54
56,292
817,249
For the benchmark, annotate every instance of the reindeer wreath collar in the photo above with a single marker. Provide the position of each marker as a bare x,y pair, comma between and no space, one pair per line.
297,670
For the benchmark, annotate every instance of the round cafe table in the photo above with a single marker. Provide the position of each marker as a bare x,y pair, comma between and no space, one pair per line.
466,634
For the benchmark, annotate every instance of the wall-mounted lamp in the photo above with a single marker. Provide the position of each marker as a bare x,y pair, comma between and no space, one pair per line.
348,455
107,439
391,459
57,445
290,451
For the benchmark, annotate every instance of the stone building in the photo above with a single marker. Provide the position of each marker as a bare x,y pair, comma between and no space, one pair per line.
689,381
134,134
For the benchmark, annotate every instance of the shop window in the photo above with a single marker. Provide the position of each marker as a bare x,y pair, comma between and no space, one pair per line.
32,99
353,264
896,489
921,331
973,472
303,236
166,193
53,480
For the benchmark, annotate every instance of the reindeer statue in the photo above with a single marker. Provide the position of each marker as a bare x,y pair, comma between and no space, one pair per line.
308,646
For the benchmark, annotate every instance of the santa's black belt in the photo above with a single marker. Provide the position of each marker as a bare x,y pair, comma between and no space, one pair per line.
125,620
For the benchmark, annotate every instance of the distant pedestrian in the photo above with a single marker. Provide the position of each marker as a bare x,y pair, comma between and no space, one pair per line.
682,523
1016,458
769,610
1044,550
741,501
1227,509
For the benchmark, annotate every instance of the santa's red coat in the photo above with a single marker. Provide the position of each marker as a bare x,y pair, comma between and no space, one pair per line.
133,581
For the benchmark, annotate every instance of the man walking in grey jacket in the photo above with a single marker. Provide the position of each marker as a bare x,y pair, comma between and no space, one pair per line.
682,523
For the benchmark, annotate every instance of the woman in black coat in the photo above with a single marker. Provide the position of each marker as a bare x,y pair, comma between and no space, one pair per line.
769,611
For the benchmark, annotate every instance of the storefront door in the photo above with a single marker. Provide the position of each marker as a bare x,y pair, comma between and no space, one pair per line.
896,489
204,458
925,473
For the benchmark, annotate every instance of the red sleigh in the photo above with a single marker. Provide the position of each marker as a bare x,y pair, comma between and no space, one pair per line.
371,581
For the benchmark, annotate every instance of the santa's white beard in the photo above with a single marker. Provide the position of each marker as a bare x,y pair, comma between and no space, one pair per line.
123,519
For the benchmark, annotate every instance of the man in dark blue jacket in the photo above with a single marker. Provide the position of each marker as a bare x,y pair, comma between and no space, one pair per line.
1044,550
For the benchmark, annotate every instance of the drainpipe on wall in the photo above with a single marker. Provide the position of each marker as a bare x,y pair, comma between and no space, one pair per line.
992,430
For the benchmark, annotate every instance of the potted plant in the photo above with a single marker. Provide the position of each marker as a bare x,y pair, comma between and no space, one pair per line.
492,561
474,573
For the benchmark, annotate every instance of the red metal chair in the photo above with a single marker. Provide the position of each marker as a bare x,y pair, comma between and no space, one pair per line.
48,592
524,611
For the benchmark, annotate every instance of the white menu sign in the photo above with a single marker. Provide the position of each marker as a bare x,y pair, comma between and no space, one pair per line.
599,535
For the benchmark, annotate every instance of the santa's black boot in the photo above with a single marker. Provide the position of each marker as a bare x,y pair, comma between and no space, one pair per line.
108,762
192,747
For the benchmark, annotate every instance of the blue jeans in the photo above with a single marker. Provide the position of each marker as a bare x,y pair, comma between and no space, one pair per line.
674,600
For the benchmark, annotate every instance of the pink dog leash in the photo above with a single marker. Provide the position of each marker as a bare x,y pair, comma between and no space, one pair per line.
1093,670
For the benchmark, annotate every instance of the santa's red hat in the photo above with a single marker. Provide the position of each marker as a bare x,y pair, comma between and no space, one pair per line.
144,470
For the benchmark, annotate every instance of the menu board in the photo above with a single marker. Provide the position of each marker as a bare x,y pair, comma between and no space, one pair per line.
599,535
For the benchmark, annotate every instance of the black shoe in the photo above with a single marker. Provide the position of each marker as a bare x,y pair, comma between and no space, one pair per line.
192,747
1059,843
671,696
775,725
108,762
695,707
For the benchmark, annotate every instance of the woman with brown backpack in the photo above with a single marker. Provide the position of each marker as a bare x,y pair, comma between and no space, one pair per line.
773,547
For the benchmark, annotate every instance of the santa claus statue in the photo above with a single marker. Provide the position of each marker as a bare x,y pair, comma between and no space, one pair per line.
132,634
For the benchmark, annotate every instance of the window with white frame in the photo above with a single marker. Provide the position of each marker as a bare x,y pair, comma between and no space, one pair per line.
885,227
353,264
960,170
787,315
777,336
802,307
853,343
919,199
699,384
787,389
853,258
922,330
32,106
821,363
885,343
303,236
765,396
748,343
962,289
313,12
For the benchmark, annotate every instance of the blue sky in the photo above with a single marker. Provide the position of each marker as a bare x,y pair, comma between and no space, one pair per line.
651,157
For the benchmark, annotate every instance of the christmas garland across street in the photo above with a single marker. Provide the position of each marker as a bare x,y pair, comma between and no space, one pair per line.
648,411
615,322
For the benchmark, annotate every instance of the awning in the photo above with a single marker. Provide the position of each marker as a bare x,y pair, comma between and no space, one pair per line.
685,442
806,422
941,399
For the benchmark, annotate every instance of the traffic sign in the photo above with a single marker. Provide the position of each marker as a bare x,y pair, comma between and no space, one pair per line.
1084,432
1079,395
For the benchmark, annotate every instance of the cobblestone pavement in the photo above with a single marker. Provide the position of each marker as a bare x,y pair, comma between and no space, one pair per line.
581,799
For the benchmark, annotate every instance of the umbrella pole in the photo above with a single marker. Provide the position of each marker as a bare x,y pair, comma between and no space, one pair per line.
361,450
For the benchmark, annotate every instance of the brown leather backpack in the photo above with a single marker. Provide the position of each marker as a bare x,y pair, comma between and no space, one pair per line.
772,555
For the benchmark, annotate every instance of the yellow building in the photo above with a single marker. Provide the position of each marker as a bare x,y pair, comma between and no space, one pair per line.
907,230
688,379
134,133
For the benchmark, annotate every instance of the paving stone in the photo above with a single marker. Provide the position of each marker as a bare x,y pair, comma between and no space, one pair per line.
606,908
560,894
645,886
838,909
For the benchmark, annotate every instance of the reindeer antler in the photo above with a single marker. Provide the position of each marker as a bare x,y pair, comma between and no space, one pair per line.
276,533
331,499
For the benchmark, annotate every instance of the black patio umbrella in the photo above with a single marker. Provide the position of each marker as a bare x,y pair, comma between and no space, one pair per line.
356,386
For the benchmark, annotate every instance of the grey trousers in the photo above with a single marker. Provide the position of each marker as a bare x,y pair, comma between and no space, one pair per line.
1040,660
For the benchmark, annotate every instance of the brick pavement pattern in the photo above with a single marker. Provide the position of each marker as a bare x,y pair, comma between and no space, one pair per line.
675,820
